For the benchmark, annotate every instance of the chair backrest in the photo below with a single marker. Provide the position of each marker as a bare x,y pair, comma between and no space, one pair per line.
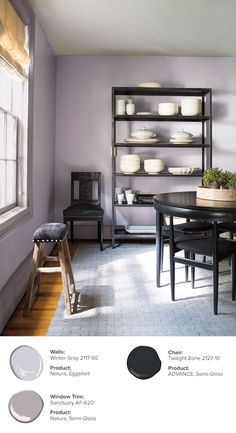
85,188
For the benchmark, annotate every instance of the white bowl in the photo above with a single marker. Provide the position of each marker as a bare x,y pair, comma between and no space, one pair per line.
129,166
129,169
153,165
130,158
168,108
190,106
143,134
129,163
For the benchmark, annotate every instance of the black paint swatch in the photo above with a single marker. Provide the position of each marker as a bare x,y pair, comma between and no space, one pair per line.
143,362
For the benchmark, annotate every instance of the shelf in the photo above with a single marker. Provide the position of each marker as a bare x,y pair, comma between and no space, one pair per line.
203,143
156,117
164,173
134,205
166,91
123,234
193,145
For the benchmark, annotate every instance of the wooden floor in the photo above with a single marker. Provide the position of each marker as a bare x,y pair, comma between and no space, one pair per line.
43,307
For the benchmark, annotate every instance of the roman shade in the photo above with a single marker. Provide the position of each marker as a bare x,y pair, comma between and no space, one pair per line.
13,55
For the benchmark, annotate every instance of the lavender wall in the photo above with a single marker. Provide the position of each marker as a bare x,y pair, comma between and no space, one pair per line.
83,120
16,246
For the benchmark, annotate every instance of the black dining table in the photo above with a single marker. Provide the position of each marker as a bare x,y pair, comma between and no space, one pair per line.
187,205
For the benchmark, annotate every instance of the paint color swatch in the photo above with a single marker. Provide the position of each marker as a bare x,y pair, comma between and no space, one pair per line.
143,362
26,363
25,406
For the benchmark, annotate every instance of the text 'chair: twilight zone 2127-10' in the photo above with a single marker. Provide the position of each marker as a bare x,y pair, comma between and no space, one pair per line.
85,202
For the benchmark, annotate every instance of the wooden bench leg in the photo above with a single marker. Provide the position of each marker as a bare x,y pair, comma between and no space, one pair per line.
30,290
65,282
69,267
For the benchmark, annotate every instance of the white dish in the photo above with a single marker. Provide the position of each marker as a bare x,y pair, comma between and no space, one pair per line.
143,134
138,140
143,113
149,85
183,141
181,170
182,135
148,228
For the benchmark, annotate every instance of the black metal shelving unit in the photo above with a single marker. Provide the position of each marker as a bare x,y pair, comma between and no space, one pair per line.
205,118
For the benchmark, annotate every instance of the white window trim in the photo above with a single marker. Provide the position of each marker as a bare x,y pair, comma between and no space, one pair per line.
20,214
13,218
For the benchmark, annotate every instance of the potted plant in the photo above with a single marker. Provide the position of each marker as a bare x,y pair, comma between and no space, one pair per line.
228,180
212,178
218,185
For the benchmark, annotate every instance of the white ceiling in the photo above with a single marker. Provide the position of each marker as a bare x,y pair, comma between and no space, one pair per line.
139,27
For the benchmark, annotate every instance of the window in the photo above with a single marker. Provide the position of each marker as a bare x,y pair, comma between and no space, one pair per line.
14,83
8,160
13,143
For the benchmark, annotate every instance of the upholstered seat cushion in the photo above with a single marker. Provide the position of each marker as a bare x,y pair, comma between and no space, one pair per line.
83,210
50,232
203,245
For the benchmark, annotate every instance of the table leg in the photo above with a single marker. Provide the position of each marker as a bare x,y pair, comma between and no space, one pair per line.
158,247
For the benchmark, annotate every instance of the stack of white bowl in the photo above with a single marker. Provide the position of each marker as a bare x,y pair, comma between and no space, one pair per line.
129,163
153,166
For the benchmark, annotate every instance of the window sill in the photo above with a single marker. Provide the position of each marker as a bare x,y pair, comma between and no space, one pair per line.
13,218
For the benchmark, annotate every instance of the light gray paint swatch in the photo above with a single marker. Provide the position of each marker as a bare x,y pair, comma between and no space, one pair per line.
25,406
26,363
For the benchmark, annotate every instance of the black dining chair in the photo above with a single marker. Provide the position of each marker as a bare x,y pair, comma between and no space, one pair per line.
181,228
85,202
229,227
214,246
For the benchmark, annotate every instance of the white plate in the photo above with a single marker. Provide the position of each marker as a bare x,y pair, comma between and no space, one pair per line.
183,141
138,140
175,170
149,85
141,229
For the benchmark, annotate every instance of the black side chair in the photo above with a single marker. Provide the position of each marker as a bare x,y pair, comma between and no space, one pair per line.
213,246
228,227
85,202
187,227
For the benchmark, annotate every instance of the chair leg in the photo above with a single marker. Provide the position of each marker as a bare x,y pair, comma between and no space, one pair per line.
233,274
215,268
192,257
172,262
31,286
162,252
215,287
100,234
158,247
72,231
66,288
186,256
